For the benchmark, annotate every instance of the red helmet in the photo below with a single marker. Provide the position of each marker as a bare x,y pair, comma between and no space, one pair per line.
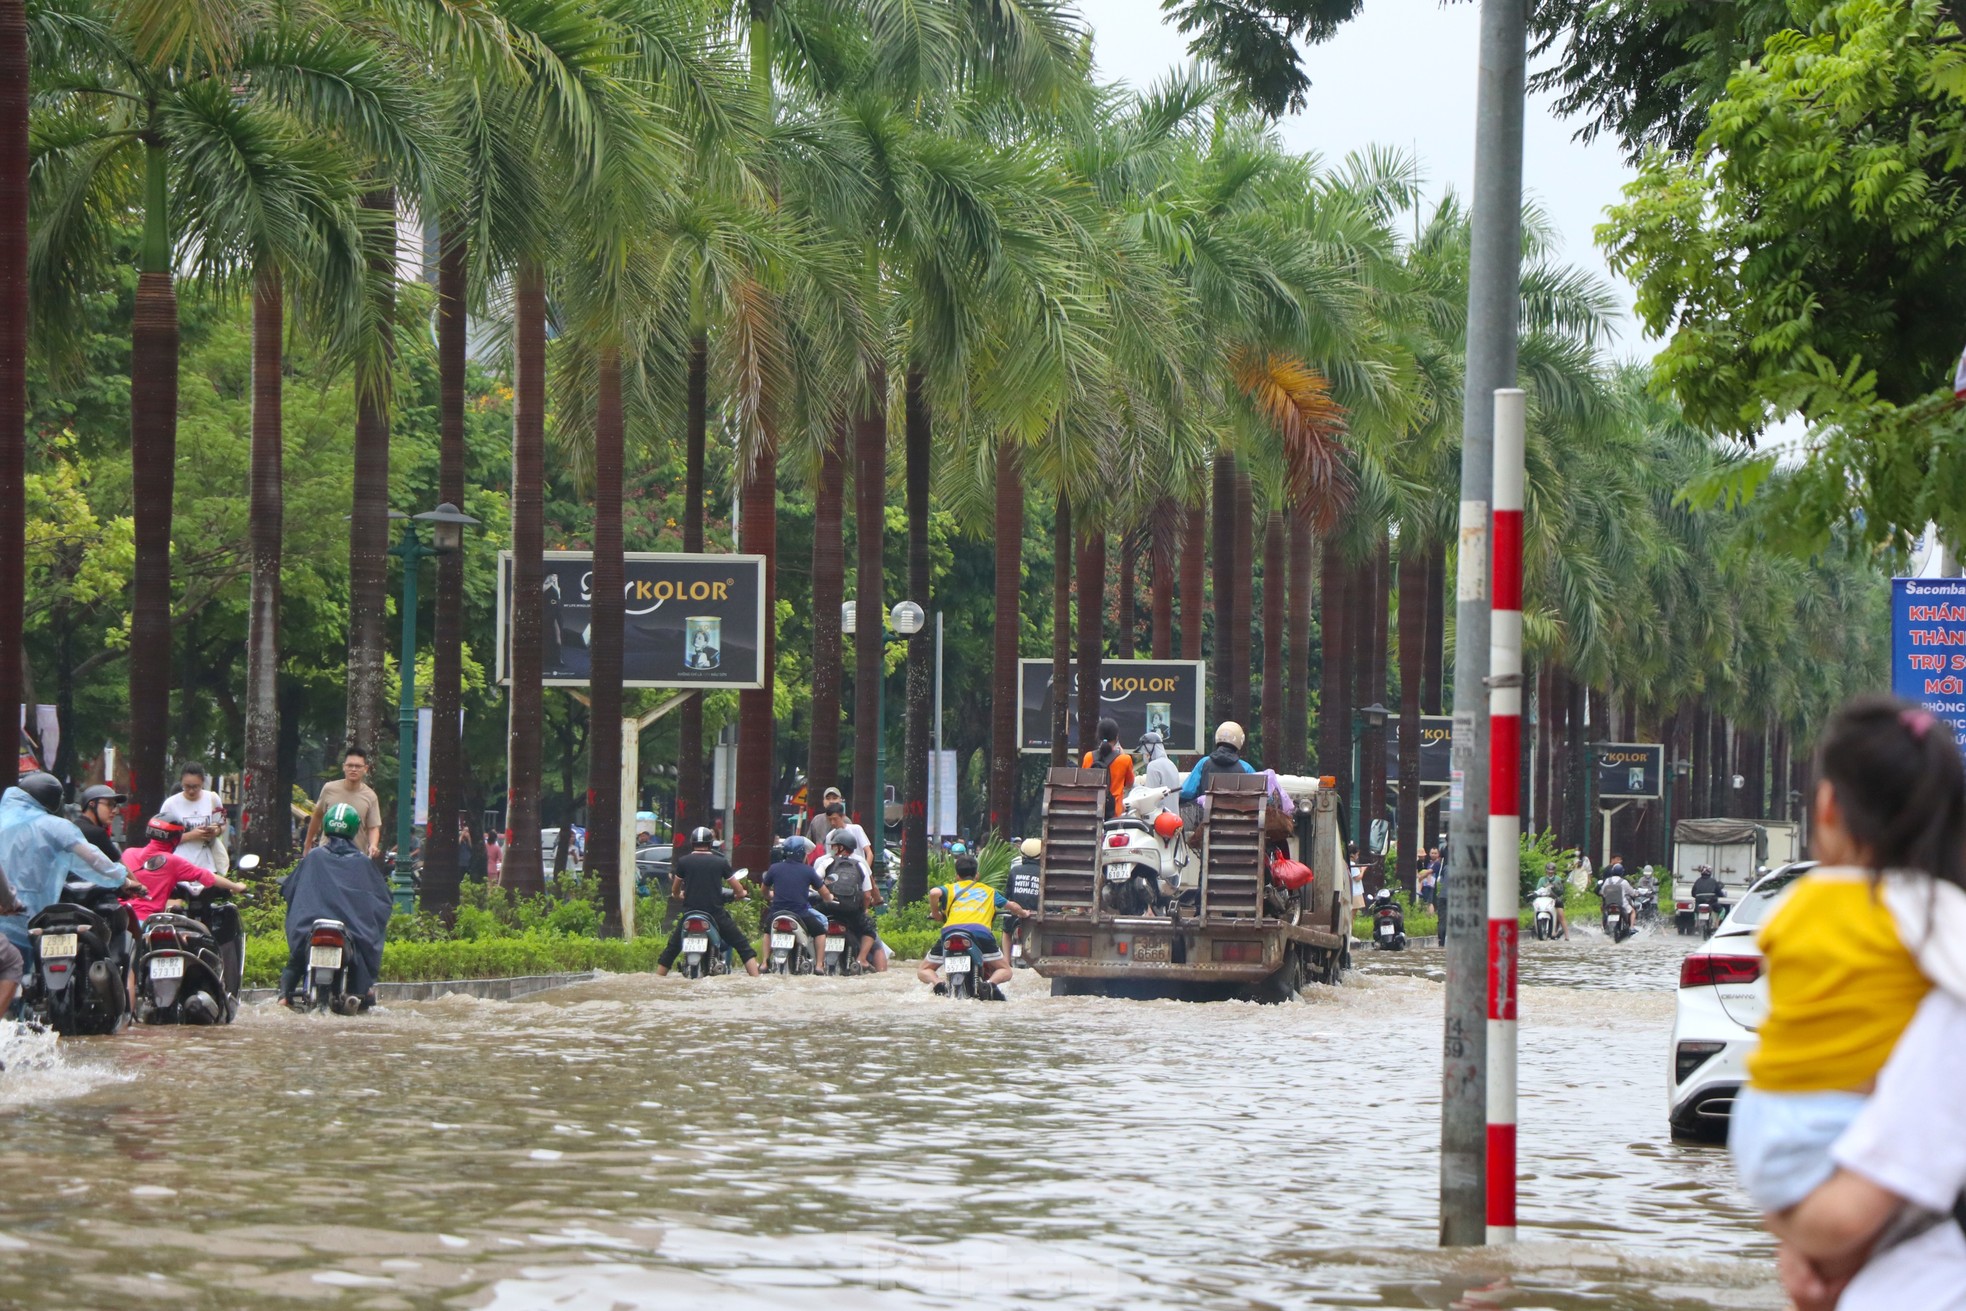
1167,824
164,829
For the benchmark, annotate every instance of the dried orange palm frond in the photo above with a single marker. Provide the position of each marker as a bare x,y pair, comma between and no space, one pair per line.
1296,400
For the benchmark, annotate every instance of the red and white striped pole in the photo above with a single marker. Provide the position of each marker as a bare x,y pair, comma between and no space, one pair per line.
1504,810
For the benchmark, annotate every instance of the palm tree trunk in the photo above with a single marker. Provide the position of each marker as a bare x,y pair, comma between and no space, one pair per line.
604,755
267,823
1194,573
921,650
1061,629
1243,575
13,344
1162,545
1412,636
1436,636
869,596
368,524
1092,628
153,466
1128,616
522,872
692,795
828,592
1276,680
440,873
1297,692
1004,743
1576,760
756,750
1381,602
1334,716
1223,558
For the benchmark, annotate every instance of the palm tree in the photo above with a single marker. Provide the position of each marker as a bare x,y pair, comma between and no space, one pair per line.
828,592
1004,711
13,341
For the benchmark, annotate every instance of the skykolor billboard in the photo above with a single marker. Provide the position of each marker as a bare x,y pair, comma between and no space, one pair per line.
1165,695
692,620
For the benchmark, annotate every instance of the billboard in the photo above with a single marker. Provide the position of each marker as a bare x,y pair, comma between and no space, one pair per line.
692,620
1436,750
1165,695
1928,647
1629,771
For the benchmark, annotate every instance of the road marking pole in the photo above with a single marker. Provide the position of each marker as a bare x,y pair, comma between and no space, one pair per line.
1504,811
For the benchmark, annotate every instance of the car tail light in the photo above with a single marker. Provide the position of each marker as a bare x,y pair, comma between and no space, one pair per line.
1245,952
1690,1056
1698,970
1073,946
956,942
325,938
1116,839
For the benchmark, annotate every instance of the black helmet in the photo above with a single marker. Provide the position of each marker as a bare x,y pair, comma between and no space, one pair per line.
99,792
701,837
45,788
777,852
795,848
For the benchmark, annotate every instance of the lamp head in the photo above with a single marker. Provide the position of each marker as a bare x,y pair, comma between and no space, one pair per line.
447,525
908,618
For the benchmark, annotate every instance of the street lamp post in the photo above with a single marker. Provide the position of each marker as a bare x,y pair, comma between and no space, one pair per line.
907,619
1372,718
447,533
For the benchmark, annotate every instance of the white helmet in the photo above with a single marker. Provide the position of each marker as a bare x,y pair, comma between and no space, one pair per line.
1032,848
1231,732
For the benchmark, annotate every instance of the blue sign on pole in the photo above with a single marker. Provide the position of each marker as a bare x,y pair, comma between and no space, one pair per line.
1928,647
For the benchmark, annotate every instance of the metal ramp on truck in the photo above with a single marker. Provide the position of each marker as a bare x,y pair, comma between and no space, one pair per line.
1074,811
1232,863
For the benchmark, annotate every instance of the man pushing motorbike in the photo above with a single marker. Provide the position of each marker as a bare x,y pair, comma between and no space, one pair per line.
335,881
971,907
40,851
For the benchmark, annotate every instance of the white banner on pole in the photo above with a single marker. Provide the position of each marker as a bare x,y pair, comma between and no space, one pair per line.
422,767
942,794
723,768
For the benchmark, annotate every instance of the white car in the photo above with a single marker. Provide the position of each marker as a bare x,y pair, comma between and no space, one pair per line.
1722,998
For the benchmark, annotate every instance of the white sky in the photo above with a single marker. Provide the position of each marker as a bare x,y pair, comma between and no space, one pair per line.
1402,74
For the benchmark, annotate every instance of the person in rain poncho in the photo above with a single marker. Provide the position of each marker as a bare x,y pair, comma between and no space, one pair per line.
335,881
40,851
1160,771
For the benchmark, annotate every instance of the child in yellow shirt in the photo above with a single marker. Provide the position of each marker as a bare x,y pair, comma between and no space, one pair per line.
1857,942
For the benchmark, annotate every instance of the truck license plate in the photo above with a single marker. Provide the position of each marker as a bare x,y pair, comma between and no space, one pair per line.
696,944
782,941
323,958
1150,949
167,967
956,965
58,944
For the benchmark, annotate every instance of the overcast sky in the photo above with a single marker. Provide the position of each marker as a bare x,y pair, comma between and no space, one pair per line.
1402,74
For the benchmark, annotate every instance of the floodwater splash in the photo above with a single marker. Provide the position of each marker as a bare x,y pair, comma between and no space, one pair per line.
35,1067
642,1142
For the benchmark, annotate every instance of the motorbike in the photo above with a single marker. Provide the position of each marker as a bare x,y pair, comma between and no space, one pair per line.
189,957
790,945
1617,923
1545,907
839,951
84,946
1707,910
1388,922
1014,935
324,987
704,949
962,968
1647,908
1144,855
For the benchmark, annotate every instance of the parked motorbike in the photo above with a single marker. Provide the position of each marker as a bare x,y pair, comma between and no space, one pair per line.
790,946
1617,923
1388,922
84,946
189,957
1707,910
963,969
1544,905
1144,856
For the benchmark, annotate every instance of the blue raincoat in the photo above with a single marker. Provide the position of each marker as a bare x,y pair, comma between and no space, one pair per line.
38,852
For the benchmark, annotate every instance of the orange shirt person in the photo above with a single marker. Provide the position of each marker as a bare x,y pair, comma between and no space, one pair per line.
1116,762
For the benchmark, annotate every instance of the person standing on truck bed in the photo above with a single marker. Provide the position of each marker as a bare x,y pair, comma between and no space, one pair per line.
1112,758
1225,758
1160,771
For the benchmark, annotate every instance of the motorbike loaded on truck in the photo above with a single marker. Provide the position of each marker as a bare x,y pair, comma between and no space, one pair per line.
1253,900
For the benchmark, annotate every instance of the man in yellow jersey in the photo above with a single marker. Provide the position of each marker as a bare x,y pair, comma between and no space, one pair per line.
971,907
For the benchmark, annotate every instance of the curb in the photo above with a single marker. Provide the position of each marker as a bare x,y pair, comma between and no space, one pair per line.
507,989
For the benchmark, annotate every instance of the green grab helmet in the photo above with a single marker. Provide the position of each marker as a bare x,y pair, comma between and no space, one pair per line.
341,821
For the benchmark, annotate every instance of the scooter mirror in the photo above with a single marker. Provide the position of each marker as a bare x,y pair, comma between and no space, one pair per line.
247,864
742,874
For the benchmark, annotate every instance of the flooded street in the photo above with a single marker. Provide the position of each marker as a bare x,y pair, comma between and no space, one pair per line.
644,1143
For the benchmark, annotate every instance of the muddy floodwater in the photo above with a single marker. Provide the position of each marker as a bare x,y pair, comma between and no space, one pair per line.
641,1143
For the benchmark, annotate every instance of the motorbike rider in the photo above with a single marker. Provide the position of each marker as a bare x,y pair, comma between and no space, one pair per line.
98,815
698,881
11,964
1025,873
854,895
791,883
1617,894
40,851
1160,771
1706,884
336,881
971,907
1552,887
160,869
1112,758
1226,757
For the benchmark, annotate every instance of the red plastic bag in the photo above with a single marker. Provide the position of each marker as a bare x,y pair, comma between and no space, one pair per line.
1288,873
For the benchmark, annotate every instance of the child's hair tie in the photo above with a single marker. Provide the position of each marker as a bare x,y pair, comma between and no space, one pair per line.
1918,721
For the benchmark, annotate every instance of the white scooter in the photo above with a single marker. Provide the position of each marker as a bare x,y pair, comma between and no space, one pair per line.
1545,906
1144,857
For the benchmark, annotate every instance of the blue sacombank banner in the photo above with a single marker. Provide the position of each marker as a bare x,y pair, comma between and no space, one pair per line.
1928,646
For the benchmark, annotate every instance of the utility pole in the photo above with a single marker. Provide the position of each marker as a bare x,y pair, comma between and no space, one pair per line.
1494,293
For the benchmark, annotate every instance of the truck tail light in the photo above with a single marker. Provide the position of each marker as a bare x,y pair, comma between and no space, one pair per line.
1068,946
1239,952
